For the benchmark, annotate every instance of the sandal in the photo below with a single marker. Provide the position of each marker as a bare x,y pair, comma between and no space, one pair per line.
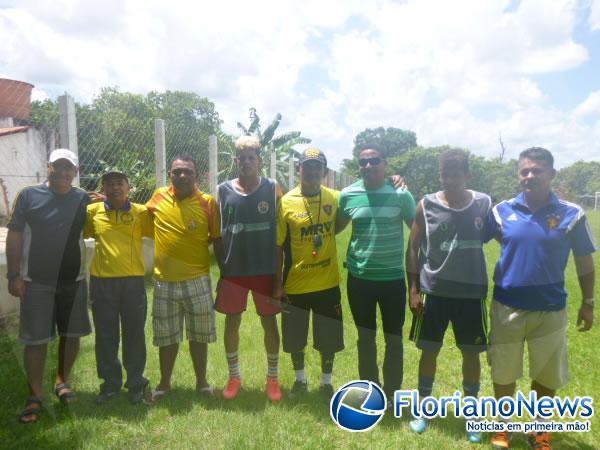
206,391
157,394
32,411
64,393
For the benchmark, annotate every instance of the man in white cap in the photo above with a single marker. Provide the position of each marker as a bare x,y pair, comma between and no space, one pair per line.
44,252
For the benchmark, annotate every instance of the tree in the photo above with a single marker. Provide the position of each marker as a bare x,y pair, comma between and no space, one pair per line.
495,177
116,131
420,168
392,141
580,179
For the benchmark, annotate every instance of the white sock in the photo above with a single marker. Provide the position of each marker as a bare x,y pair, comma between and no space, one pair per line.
326,378
300,375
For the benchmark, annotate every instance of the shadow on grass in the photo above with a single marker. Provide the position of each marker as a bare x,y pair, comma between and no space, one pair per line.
250,400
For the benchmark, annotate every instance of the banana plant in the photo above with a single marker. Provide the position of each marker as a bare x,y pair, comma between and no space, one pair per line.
281,146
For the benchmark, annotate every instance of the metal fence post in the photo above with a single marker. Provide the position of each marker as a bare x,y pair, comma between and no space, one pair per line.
213,166
291,171
273,165
160,152
68,126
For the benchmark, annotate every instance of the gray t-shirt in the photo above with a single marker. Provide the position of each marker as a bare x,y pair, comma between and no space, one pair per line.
52,227
454,264
248,229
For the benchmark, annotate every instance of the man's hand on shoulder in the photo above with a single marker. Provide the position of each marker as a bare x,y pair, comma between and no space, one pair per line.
96,197
398,182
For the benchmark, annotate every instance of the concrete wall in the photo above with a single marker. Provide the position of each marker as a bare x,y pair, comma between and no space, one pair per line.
23,158
9,305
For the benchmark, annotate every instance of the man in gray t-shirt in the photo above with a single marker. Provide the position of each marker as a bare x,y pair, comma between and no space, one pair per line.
44,253
445,261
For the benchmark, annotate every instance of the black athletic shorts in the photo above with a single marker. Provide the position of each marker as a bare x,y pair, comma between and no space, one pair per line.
328,329
469,322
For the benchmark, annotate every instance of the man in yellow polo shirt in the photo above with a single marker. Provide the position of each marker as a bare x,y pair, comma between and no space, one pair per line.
306,228
117,287
186,220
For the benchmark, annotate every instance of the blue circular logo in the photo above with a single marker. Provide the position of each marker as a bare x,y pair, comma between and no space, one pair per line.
358,406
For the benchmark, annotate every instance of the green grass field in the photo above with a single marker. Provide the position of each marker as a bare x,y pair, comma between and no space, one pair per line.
183,420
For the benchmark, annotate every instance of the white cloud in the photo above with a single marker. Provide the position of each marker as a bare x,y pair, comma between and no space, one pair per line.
430,66
594,18
590,106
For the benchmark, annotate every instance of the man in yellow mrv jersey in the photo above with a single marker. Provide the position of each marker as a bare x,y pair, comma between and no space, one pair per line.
306,226
117,287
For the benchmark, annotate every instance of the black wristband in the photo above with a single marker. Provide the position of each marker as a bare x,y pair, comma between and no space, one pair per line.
13,275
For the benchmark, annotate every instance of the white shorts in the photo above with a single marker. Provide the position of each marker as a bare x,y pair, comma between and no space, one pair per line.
546,335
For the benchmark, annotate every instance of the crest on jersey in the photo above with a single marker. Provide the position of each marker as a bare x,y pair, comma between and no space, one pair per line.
553,221
263,207
126,217
328,209
478,222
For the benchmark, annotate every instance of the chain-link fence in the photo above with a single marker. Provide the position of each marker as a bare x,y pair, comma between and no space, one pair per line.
139,135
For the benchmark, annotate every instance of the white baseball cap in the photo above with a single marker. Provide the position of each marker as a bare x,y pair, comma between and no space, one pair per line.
63,153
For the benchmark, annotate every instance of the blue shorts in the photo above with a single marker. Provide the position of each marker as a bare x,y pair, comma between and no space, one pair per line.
469,323
48,308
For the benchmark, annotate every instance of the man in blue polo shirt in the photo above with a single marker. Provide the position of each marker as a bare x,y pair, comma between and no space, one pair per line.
537,231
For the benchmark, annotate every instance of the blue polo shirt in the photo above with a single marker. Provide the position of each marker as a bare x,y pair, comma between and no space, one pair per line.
535,249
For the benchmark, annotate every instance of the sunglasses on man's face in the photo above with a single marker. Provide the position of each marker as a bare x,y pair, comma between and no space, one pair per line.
178,172
373,161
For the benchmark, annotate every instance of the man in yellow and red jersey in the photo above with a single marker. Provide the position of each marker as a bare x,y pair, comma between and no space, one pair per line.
186,220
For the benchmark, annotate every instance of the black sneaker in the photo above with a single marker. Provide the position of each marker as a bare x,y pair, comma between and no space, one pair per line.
326,391
299,389
106,396
140,395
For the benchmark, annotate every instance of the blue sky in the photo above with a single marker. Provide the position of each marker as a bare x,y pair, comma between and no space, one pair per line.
460,73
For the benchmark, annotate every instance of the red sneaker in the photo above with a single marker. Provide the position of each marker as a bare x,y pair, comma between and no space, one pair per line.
232,389
540,441
273,390
501,440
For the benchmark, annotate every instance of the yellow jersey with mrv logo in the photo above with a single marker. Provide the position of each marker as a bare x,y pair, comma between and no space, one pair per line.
311,256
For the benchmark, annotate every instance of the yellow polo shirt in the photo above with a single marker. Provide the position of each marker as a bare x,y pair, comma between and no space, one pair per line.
182,232
303,218
118,234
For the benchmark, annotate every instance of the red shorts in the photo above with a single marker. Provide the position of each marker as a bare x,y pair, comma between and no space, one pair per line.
232,294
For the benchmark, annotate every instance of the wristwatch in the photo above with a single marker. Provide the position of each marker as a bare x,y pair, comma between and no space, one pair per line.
12,275
589,301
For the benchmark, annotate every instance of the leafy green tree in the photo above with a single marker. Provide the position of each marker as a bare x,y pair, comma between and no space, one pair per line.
392,141
116,131
420,168
495,177
578,180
